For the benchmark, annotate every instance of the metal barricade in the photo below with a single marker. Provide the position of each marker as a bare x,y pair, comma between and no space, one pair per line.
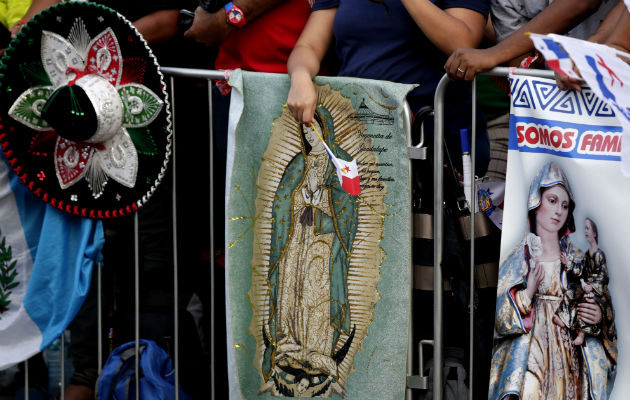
207,75
438,228
416,151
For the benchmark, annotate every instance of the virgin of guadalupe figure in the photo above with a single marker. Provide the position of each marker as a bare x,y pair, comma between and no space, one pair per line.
313,228
534,358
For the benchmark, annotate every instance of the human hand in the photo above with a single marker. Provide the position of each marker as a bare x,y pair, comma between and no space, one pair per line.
534,278
302,98
466,63
589,311
568,83
209,29
563,258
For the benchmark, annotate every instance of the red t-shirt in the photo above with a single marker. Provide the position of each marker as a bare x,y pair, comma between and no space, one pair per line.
264,45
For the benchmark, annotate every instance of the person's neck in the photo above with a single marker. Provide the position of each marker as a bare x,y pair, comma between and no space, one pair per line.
593,247
550,246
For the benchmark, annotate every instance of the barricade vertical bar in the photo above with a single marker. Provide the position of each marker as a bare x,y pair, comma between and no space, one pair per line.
136,301
473,210
26,394
99,322
438,200
175,264
410,345
212,281
62,381
208,75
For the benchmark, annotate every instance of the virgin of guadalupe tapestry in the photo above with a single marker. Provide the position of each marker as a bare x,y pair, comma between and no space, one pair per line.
562,328
318,241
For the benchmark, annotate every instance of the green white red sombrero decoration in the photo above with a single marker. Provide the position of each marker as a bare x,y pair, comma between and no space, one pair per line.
84,117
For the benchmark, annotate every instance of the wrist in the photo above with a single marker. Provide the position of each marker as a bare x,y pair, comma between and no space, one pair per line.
19,24
223,27
300,75
496,56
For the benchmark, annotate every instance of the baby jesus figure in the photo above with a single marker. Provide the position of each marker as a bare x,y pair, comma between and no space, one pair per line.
586,278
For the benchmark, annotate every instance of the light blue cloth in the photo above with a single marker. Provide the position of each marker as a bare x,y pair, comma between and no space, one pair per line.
54,254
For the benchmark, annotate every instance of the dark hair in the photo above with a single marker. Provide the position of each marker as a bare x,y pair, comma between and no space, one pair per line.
594,226
569,224
305,143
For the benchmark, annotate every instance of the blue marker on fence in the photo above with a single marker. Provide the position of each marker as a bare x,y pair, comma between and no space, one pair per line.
467,168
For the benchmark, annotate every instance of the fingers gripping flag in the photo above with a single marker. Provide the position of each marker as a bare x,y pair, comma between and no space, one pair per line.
347,171
602,70
557,59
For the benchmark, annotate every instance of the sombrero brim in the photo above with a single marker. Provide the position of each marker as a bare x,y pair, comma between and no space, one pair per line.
96,180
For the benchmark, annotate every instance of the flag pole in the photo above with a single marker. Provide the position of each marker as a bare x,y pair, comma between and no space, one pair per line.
312,125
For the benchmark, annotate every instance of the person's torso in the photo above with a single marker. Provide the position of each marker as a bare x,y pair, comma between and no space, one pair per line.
382,41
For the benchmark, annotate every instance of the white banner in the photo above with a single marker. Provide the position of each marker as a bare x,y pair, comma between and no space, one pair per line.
566,220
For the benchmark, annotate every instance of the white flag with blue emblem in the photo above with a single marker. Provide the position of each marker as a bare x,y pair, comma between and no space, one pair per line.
557,59
609,77
46,260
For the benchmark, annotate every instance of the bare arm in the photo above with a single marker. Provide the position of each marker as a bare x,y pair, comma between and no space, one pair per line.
559,17
156,27
304,63
448,29
620,36
211,29
614,31
609,23
159,26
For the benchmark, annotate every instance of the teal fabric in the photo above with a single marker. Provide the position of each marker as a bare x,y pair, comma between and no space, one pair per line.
345,214
377,358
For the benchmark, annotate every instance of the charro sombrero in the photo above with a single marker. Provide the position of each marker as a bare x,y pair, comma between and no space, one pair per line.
84,118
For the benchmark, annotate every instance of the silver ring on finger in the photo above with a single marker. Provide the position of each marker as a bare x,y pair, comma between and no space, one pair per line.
460,70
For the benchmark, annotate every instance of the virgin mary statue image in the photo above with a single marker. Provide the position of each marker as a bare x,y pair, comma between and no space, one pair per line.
534,357
313,228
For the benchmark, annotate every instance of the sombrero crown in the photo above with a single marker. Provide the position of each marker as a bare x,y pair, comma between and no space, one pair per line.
84,117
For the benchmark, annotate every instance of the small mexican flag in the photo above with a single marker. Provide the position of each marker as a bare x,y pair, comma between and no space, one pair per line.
347,171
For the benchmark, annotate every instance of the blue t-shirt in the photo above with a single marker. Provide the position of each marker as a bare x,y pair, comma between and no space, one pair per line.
381,41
